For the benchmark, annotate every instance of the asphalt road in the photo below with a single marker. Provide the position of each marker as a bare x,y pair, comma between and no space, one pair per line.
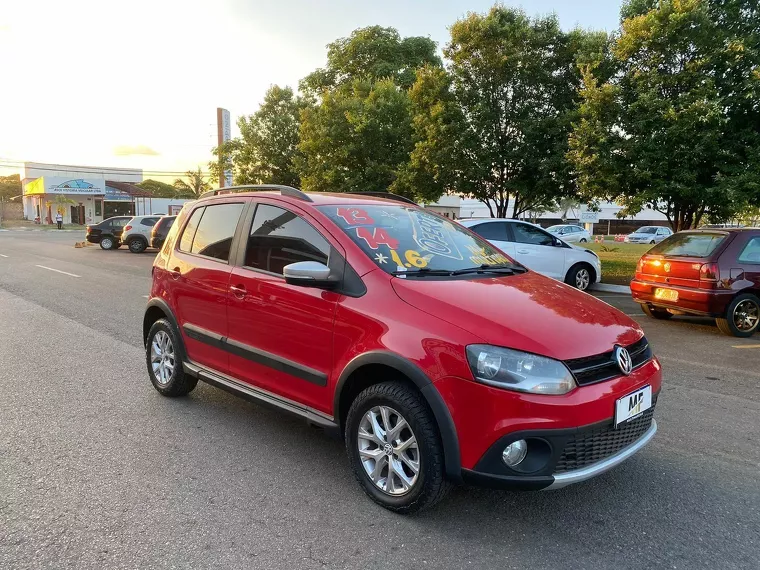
99,471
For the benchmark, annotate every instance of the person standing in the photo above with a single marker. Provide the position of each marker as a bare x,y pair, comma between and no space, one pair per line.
59,220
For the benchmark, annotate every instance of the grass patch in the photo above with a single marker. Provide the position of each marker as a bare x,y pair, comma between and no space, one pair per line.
619,266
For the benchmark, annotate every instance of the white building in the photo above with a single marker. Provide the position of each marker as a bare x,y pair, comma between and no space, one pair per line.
609,223
87,194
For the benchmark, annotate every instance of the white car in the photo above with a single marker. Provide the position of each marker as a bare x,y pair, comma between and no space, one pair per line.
136,234
570,233
649,234
539,250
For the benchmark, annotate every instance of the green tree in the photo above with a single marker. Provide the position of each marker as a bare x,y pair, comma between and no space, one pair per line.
194,186
158,189
372,53
10,186
496,123
677,129
267,148
356,139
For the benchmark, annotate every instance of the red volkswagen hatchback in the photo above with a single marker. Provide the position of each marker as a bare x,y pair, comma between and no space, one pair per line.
437,358
709,273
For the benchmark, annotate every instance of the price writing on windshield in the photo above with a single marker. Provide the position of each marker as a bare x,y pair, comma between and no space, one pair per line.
376,237
413,259
355,216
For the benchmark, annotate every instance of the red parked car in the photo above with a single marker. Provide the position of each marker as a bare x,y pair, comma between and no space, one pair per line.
437,358
711,273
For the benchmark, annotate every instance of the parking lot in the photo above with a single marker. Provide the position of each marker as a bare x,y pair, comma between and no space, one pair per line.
99,471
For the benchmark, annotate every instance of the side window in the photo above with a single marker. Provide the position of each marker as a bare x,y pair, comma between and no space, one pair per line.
279,237
119,223
150,222
525,233
496,231
213,238
189,233
751,252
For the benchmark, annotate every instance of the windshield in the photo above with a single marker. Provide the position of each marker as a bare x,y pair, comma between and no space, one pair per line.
689,245
646,230
406,239
555,228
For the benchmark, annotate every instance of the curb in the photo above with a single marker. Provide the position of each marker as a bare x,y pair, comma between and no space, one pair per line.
605,288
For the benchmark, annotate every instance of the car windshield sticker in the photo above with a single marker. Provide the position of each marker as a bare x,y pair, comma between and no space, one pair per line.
375,237
479,256
355,217
433,235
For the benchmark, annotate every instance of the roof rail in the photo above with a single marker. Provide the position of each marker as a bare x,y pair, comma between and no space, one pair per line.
386,195
284,191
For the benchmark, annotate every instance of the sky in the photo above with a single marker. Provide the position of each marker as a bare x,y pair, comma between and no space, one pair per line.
136,84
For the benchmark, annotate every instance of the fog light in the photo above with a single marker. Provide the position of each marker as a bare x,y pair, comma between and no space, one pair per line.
514,453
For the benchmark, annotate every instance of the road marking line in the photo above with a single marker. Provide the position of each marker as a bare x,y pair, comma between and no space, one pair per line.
57,271
747,346
1,255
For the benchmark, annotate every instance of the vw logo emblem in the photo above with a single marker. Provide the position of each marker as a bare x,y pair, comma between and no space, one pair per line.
623,359
388,449
667,267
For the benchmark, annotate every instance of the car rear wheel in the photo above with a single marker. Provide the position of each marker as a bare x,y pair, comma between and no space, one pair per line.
580,276
652,242
107,243
583,240
137,245
742,316
656,313
163,354
394,448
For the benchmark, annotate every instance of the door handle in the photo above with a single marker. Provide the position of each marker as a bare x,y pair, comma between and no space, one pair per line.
238,290
523,251
175,273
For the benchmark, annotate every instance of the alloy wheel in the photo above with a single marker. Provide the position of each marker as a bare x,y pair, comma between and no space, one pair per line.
388,450
746,315
582,279
162,357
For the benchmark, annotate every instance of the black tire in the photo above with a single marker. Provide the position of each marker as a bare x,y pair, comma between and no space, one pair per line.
137,245
177,383
584,240
107,242
652,242
654,313
746,304
581,276
431,485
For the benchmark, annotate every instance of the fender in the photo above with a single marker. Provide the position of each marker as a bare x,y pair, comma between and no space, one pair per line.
449,439
164,306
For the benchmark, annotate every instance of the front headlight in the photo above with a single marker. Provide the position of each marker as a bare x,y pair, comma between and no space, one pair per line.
520,371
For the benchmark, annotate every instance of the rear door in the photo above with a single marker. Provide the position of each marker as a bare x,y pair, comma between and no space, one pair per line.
117,226
497,234
280,336
200,270
749,262
677,261
535,249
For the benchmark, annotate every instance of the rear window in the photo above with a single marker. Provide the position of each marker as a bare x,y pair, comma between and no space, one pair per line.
751,252
689,245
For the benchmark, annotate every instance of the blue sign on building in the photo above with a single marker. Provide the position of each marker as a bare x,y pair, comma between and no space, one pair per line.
113,194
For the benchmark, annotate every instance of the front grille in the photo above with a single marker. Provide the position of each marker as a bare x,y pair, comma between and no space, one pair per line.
601,367
588,447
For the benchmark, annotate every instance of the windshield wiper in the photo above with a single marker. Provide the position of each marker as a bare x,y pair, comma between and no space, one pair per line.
503,268
424,272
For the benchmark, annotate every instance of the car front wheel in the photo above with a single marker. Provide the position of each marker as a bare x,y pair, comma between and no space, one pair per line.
394,448
742,317
580,276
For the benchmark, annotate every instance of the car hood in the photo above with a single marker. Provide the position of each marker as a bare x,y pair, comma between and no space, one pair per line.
526,312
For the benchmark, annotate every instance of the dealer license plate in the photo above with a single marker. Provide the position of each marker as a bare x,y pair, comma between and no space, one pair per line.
666,294
633,405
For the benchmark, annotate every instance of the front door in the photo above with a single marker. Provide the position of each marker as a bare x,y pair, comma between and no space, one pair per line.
280,335
201,273
535,249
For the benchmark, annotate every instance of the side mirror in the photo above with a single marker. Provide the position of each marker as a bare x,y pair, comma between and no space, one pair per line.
309,274
558,243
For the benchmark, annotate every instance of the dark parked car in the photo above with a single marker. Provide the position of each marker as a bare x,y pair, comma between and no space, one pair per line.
108,232
712,273
159,231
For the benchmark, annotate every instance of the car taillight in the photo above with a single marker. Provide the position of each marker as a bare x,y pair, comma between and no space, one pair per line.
88,229
640,266
709,272
127,228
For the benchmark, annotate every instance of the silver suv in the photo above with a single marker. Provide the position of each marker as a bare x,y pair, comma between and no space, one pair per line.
136,235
